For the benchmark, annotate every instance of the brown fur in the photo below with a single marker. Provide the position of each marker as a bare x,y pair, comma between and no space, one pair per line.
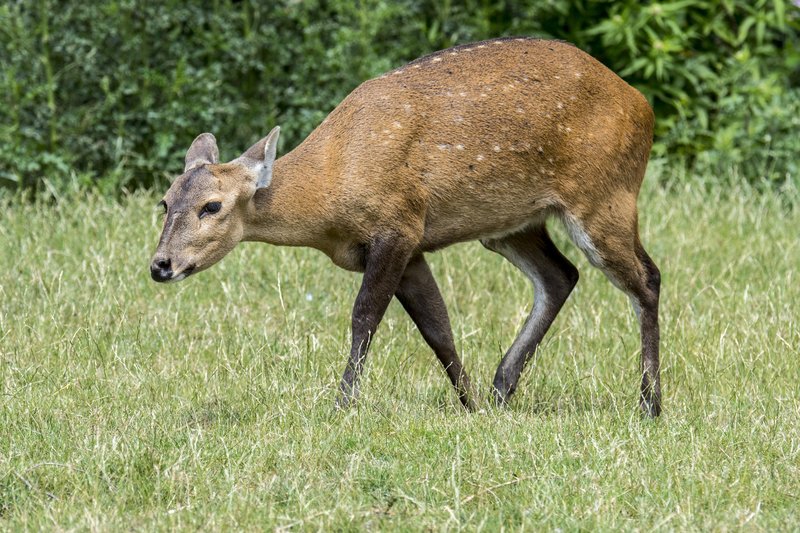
390,155
481,141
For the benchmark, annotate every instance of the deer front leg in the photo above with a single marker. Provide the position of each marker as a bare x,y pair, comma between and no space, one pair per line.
420,296
386,261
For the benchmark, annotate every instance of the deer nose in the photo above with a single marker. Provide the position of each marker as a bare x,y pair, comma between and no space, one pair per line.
161,269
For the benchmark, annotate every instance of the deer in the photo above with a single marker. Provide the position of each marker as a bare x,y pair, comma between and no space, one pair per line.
485,141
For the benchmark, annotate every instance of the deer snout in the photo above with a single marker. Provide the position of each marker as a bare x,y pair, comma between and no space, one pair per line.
161,269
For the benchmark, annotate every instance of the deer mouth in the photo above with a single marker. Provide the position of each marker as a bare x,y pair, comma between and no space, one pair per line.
186,272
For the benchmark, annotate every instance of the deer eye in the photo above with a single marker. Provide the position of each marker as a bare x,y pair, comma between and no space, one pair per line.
210,208
163,205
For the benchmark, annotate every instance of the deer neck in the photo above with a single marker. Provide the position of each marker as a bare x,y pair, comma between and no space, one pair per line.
291,210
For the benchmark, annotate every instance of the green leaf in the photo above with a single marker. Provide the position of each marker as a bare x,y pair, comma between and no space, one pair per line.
744,29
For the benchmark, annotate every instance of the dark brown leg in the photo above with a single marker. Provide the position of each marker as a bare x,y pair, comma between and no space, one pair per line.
421,298
648,296
639,278
386,261
553,276
613,246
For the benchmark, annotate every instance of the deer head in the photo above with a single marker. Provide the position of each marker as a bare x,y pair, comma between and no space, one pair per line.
205,208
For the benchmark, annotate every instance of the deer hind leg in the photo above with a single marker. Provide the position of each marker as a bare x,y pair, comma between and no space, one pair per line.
611,243
553,276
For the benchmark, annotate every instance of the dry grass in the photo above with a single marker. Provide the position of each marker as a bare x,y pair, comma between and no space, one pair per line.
209,404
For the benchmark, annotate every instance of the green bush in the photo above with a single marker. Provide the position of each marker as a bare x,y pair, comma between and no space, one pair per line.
111,93
722,76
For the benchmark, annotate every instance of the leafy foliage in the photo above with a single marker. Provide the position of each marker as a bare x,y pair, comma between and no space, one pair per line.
112,92
722,76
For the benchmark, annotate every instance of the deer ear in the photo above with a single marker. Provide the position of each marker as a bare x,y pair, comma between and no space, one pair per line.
203,151
260,157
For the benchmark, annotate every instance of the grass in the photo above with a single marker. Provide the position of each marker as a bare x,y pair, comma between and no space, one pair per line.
208,404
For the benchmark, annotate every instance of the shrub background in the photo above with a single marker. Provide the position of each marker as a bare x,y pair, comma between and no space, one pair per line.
109,94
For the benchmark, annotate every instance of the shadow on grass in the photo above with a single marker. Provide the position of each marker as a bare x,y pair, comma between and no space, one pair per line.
541,402
218,412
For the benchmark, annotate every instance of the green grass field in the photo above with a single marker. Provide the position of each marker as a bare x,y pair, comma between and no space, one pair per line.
208,404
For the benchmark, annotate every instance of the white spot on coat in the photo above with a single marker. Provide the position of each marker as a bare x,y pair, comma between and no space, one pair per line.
459,147
436,59
479,158
496,148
